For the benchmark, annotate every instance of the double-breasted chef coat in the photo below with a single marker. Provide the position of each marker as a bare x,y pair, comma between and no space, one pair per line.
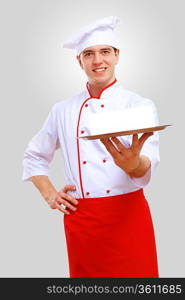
91,169
88,165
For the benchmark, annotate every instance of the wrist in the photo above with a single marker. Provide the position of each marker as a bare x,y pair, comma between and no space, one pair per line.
48,195
142,168
137,167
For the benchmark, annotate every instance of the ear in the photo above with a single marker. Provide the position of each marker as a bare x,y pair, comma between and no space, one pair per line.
117,55
79,60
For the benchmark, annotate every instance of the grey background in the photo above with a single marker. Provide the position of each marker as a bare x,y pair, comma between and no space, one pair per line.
36,72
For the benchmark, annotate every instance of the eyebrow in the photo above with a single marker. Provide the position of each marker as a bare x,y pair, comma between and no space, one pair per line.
87,51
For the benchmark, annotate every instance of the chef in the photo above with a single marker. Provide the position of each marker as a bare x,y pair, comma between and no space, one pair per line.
107,221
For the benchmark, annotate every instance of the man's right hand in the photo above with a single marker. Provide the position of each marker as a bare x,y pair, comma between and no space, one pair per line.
57,199
53,198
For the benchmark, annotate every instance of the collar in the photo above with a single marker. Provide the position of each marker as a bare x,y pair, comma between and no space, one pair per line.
105,89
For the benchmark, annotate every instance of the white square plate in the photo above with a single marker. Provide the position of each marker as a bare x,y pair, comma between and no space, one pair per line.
121,133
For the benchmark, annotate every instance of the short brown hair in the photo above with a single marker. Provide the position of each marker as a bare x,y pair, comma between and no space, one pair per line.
115,49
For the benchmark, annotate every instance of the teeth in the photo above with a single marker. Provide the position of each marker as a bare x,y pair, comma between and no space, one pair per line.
99,70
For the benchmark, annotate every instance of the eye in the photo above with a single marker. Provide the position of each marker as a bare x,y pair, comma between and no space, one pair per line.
106,52
88,54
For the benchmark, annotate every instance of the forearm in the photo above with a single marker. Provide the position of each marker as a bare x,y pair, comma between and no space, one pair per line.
44,185
143,167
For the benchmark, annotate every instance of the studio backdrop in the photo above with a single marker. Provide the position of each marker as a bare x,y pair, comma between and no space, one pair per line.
37,72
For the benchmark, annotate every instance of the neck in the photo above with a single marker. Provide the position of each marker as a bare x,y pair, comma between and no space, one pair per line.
96,88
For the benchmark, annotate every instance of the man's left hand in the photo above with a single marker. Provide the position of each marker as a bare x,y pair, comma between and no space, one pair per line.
127,159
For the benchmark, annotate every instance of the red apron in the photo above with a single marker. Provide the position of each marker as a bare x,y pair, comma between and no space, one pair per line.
111,237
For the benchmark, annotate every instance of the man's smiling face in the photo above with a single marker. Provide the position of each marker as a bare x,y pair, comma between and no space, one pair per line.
99,62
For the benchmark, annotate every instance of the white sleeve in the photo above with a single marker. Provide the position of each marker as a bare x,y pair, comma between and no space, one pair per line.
151,150
41,148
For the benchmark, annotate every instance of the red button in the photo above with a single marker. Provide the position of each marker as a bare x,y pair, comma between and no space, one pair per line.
87,193
84,162
108,191
86,105
102,105
82,131
104,160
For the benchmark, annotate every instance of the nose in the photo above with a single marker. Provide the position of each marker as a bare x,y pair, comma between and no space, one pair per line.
97,59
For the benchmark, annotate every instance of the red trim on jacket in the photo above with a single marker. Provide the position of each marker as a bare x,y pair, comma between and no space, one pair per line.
78,150
78,124
99,95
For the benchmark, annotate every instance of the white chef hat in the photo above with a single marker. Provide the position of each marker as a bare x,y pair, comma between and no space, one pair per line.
100,32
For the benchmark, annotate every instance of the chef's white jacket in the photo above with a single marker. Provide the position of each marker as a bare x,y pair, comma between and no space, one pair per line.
88,164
